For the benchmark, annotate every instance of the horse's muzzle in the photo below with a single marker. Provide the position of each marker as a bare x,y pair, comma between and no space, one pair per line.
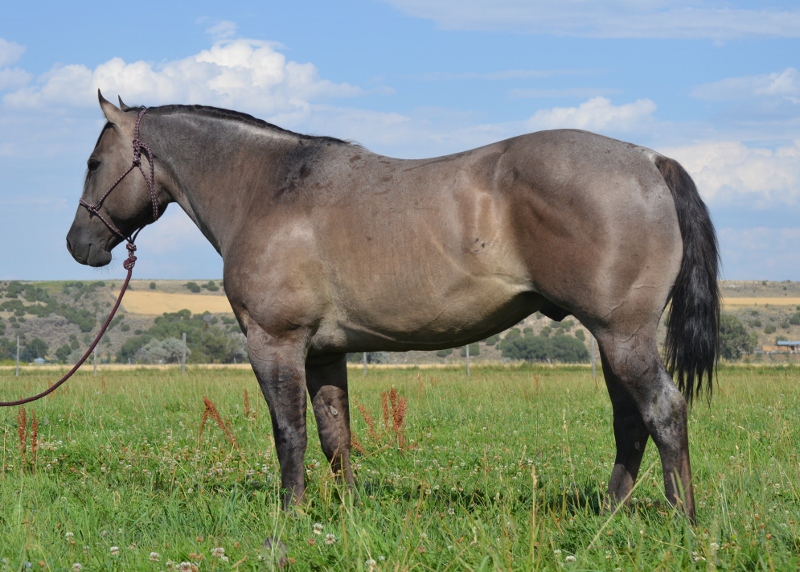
87,252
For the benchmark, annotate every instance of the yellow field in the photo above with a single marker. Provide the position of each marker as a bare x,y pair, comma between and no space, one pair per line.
761,301
156,303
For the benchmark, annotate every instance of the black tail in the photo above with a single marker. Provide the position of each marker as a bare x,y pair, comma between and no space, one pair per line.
692,345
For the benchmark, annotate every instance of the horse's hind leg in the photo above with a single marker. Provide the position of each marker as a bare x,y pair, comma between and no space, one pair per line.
327,386
631,363
630,435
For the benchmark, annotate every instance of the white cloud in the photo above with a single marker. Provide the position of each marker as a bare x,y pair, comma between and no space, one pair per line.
760,253
173,232
597,114
778,84
13,78
222,30
427,132
582,92
726,170
609,18
496,76
242,74
10,52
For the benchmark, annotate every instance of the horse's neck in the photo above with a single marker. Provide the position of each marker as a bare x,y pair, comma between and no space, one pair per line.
208,181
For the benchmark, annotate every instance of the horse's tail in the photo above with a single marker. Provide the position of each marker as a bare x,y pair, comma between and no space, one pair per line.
692,344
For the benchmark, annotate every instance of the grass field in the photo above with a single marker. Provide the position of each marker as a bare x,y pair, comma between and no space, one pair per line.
122,479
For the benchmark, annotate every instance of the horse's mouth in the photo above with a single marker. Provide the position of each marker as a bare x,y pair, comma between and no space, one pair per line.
90,255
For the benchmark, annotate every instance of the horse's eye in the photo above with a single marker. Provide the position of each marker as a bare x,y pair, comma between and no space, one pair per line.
93,165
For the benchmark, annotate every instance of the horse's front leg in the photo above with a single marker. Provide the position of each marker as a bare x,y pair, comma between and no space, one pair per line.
327,386
279,365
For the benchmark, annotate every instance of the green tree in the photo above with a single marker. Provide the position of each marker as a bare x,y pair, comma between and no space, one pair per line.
559,347
36,348
734,339
63,352
8,349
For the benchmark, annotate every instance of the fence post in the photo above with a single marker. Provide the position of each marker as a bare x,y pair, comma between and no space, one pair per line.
183,357
17,356
467,360
94,355
594,361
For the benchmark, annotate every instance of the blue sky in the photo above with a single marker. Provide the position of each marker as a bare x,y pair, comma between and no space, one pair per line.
713,84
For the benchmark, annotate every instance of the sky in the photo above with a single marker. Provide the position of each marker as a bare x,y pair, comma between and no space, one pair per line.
714,84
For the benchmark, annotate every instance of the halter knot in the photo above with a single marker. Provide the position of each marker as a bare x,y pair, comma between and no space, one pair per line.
131,260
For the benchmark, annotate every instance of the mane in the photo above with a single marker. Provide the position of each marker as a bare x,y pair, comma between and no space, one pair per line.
237,116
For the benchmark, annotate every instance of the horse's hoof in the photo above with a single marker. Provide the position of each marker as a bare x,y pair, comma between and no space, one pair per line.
275,550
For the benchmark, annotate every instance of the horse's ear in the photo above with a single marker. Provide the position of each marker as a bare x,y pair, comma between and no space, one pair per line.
112,113
122,105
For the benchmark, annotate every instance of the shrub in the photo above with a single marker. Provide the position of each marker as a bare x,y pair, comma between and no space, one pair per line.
63,352
444,353
132,345
14,288
474,350
769,329
192,287
492,340
372,357
559,348
152,285
734,340
580,335
169,350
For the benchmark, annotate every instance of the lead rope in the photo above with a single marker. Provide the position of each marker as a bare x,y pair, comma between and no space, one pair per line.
127,265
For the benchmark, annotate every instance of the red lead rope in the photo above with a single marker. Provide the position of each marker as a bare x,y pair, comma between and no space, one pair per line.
94,209
128,265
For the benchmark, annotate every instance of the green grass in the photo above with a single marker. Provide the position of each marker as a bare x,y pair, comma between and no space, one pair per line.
121,464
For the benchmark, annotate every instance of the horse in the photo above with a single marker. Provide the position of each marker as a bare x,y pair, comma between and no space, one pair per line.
329,248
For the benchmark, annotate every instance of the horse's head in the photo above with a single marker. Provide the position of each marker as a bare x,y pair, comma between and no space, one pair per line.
112,209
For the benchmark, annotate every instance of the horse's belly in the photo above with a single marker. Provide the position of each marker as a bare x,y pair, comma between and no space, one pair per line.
413,320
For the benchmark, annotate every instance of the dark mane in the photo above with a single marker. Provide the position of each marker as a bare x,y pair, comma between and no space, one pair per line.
230,115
